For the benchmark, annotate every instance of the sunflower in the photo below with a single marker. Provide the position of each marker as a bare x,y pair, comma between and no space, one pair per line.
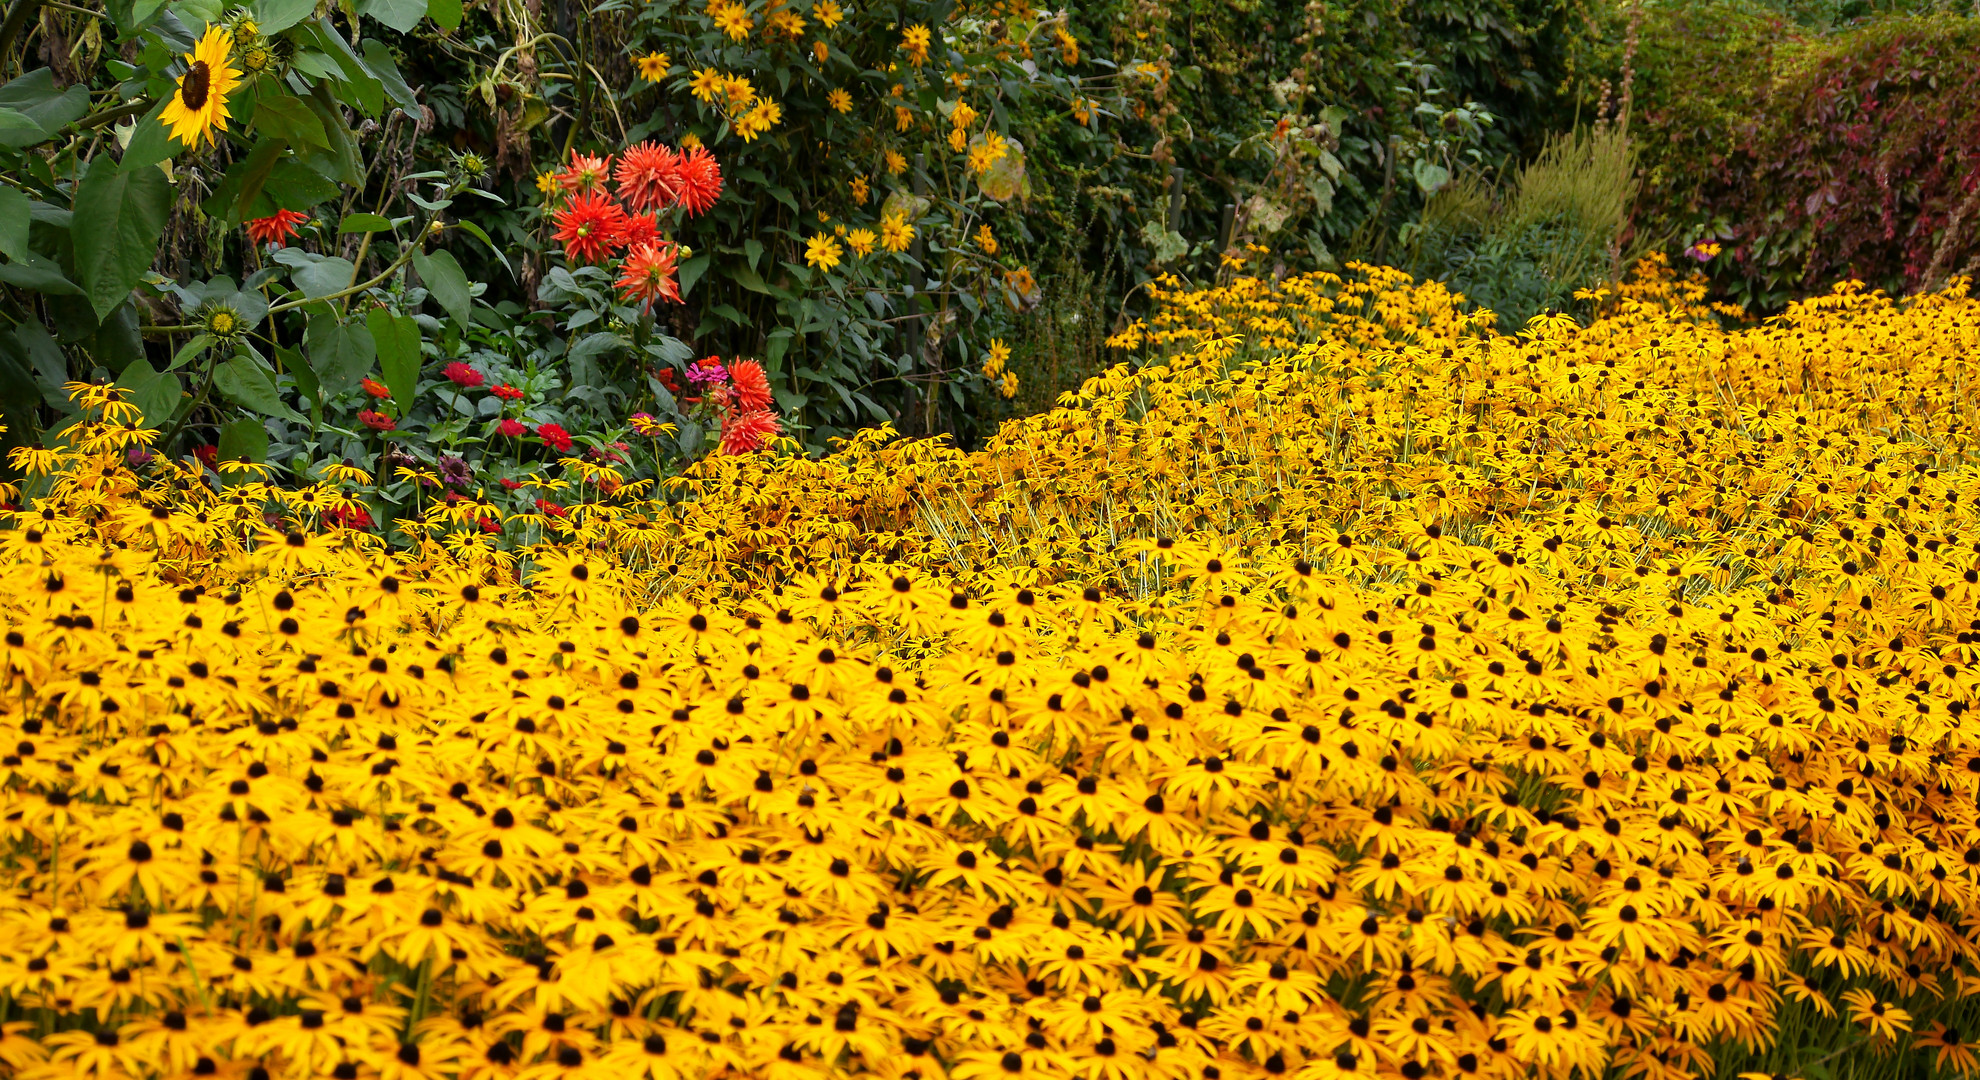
199,103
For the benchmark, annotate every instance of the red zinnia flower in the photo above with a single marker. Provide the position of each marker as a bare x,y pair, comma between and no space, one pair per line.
356,517
376,389
590,226
462,375
554,436
744,433
648,275
585,172
649,177
511,429
377,421
208,455
512,485
752,387
666,377
278,228
489,524
701,180
507,392
550,508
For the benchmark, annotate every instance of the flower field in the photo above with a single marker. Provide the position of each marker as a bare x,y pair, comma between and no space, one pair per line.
1341,689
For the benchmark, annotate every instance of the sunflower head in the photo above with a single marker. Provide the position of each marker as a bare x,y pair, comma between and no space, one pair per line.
199,103
222,321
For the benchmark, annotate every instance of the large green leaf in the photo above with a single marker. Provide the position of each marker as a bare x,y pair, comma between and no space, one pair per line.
446,282
447,13
245,439
316,275
400,15
244,382
151,141
14,220
397,339
155,393
290,119
37,99
344,164
254,176
379,59
40,274
119,217
273,15
363,83
340,353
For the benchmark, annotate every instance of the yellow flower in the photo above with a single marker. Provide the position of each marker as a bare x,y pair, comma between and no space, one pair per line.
732,19
823,252
784,24
914,42
860,190
689,142
903,119
861,241
821,52
986,240
896,233
828,13
986,153
896,164
654,66
1068,45
546,182
999,357
707,85
958,139
839,100
738,91
199,103
765,115
963,115
1009,387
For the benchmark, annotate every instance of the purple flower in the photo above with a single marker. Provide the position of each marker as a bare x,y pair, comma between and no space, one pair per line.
454,471
138,455
709,373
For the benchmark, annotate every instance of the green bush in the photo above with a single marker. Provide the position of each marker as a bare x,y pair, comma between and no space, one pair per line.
1526,247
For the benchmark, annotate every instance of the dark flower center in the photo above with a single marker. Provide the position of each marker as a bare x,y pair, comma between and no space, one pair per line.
194,87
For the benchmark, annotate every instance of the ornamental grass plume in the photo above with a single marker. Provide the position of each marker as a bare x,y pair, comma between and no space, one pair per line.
1342,689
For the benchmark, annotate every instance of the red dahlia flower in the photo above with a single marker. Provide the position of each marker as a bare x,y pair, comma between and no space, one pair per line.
649,177
751,386
585,172
507,392
590,227
701,180
747,432
638,230
277,228
648,275
377,421
376,389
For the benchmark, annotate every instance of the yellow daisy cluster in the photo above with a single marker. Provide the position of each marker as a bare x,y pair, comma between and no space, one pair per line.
748,112
1348,690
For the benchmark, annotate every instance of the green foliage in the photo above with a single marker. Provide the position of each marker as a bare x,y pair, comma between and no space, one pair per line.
1557,227
1810,147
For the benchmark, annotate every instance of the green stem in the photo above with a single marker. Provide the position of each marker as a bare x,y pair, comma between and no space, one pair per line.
17,17
114,114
